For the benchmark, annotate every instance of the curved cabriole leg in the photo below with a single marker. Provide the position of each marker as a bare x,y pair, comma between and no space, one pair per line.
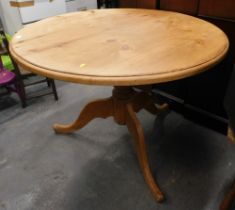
136,130
228,199
96,109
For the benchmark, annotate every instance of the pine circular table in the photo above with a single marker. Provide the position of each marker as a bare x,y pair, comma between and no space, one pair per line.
123,48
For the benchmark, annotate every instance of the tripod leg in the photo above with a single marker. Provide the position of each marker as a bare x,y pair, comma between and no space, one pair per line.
136,130
96,109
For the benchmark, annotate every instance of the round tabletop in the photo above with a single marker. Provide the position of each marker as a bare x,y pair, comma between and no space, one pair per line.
119,47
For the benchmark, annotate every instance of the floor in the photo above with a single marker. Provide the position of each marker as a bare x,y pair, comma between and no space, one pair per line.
96,168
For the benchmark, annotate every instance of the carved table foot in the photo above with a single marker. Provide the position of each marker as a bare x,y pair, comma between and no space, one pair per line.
123,106
97,109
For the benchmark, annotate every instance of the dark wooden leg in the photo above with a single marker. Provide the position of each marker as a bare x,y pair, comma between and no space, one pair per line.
99,4
20,90
107,4
136,130
97,109
48,82
52,82
116,3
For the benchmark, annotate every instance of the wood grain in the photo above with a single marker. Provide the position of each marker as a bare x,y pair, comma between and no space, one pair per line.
97,109
185,6
148,4
22,3
122,106
108,47
127,3
217,8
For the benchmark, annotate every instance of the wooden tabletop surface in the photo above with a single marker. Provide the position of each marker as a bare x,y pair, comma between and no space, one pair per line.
120,47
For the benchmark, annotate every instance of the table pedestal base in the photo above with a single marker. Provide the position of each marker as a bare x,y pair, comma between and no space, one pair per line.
122,106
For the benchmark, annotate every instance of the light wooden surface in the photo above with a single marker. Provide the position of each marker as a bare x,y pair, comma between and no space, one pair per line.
22,3
119,46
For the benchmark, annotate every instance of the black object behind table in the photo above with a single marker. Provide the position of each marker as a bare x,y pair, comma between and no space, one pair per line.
229,102
201,98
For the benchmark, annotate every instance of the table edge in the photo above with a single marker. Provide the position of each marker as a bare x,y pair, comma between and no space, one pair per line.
123,80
